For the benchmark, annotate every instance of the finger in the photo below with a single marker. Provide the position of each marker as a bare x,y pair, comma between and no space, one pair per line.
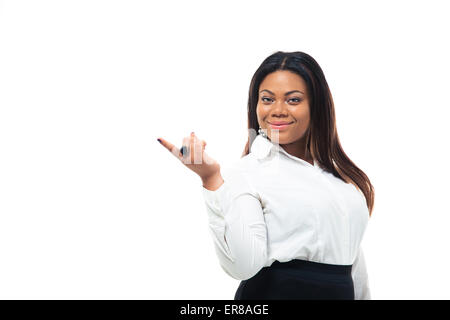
198,148
186,147
194,151
196,140
169,146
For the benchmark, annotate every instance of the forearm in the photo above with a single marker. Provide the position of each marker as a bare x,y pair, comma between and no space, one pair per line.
240,238
237,223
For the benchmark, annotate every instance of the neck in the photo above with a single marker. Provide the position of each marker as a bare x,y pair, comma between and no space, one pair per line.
298,149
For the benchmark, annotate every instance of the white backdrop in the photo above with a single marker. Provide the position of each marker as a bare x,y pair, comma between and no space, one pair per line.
93,207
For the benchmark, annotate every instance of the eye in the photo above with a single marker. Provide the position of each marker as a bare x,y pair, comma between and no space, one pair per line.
270,99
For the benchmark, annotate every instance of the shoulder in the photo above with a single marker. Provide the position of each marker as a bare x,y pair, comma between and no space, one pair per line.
246,166
239,174
345,177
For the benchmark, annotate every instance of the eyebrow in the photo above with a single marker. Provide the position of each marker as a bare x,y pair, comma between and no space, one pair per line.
287,93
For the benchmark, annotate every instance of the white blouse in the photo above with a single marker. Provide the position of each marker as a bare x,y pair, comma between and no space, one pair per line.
275,206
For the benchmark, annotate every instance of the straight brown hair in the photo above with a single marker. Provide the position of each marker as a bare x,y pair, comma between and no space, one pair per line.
322,141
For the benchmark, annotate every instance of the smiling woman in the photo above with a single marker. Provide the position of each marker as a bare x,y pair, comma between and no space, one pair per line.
291,87
289,217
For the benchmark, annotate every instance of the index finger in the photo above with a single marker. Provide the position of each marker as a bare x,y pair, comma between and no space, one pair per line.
170,146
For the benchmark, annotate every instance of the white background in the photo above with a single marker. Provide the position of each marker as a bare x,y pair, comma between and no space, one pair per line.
93,207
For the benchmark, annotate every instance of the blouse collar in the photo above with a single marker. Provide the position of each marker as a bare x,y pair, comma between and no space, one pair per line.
262,146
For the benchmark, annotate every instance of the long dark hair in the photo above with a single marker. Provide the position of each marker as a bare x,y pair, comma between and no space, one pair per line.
322,140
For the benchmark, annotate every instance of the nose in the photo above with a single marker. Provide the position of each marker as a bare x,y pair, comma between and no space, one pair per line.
279,109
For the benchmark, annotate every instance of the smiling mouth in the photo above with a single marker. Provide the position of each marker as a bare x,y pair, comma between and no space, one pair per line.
280,125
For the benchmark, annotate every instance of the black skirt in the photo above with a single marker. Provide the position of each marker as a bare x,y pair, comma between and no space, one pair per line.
299,280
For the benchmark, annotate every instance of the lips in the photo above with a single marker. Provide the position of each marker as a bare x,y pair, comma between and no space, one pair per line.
280,123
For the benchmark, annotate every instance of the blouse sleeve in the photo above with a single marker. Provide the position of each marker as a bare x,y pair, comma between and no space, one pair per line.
360,277
237,226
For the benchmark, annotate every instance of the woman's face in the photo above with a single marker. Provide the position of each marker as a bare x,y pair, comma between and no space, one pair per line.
283,98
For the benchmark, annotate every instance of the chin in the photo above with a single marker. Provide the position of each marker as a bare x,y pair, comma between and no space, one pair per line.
281,137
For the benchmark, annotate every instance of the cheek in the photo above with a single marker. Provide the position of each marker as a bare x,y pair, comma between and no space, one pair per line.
303,119
261,111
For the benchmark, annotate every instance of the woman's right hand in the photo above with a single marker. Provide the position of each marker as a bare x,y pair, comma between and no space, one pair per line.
195,158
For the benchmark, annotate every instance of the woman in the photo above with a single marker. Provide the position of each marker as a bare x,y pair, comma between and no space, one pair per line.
289,217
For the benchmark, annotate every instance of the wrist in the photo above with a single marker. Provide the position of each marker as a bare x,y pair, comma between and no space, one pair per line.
213,182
